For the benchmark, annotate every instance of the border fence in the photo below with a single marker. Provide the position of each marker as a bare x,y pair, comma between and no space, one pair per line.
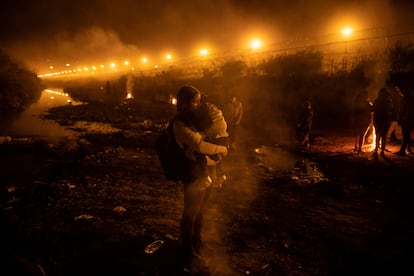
339,53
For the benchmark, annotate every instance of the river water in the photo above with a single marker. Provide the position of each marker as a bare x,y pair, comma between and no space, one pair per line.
31,125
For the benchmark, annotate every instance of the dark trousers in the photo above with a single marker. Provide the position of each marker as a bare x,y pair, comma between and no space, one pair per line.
196,197
406,139
234,132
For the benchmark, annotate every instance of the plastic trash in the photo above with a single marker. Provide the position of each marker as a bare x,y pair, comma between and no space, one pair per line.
153,247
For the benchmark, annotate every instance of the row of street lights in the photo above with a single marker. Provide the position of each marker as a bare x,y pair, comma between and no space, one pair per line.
69,70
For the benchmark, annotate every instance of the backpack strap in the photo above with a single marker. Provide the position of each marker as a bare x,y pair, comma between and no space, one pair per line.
172,134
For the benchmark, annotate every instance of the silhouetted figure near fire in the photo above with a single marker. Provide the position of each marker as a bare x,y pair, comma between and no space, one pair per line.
382,119
406,120
361,119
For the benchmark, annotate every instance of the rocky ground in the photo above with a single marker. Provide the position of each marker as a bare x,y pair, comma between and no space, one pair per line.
90,204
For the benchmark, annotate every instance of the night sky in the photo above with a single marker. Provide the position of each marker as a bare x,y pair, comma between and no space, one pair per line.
40,32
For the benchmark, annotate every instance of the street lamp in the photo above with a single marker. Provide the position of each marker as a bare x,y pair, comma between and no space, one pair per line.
255,44
203,52
347,31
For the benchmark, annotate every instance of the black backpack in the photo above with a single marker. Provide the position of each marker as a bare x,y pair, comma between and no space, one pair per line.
176,165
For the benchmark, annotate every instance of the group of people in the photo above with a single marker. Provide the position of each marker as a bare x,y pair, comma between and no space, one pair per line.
207,133
385,115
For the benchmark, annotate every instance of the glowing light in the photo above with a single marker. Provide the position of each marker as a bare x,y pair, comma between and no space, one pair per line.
129,96
144,59
168,56
67,64
51,67
346,31
203,52
255,44
56,92
126,62
373,140
102,66
113,65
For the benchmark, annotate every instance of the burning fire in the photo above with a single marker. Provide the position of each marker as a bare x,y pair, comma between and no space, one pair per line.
372,139
173,100
371,131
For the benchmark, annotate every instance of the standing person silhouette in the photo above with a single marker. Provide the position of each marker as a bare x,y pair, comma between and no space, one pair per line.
233,116
304,125
361,119
406,120
382,110
395,127
197,190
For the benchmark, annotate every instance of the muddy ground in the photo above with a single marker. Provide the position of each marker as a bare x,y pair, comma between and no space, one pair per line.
89,204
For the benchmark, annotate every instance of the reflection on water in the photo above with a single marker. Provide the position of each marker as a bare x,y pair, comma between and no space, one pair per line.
31,124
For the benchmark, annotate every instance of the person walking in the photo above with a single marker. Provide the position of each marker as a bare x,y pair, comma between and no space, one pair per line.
382,109
197,190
